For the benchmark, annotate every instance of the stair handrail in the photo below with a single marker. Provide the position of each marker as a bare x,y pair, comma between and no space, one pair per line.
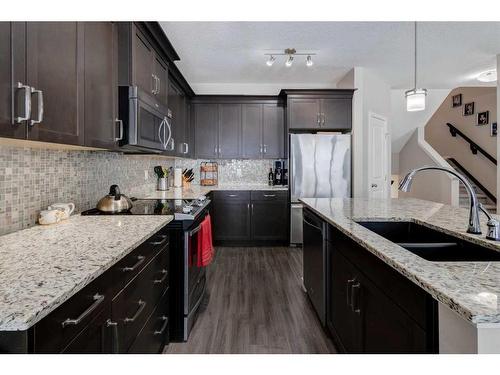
474,147
474,180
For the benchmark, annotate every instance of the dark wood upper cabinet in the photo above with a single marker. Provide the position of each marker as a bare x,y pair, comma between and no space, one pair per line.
273,131
55,69
303,113
252,131
336,113
319,109
205,120
101,85
140,62
12,72
229,130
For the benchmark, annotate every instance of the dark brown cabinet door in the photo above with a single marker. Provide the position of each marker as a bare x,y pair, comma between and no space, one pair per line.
177,108
161,73
12,71
101,85
55,61
231,220
386,328
205,119
336,114
143,67
229,130
273,130
342,320
93,339
303,113
269,220
252,131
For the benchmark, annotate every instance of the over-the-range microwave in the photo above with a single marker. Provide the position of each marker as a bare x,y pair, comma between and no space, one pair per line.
146,126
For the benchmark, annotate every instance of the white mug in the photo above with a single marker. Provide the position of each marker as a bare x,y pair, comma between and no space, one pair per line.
51,216
67,208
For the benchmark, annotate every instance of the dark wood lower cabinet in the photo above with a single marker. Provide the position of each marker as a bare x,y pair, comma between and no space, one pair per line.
250,218
371,308
119,312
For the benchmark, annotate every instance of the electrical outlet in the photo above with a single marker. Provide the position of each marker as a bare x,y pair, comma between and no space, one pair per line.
238,172
146,175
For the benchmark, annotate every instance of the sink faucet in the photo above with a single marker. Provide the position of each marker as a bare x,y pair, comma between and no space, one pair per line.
474,226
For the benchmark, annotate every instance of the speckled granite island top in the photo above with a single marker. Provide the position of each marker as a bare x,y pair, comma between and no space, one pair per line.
472,289
43,266
196,190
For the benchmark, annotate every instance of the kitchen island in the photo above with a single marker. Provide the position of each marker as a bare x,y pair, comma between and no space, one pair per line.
467,292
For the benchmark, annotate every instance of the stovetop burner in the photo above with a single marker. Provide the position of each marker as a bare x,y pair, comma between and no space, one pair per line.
181,209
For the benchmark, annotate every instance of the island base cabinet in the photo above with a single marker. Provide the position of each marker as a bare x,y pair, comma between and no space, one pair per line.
367,311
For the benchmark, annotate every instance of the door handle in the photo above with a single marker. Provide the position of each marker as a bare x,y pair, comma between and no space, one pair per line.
120,123
355,289
158,89
98,299
142,305
153,90
163,327
162,124
265,149
140,260
187,148
318,118
349,291
39,119
27,103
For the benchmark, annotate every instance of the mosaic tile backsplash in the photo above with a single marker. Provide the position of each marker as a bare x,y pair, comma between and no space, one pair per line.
32,178
234,172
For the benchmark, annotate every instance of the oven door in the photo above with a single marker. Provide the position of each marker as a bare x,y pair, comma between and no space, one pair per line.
194,276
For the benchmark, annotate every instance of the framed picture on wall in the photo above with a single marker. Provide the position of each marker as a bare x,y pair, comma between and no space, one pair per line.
483,118
493,129
456,100
469,109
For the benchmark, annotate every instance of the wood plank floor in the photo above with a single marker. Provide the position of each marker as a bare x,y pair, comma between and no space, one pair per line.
256,305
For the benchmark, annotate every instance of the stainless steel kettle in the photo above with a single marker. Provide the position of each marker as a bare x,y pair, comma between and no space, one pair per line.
114,201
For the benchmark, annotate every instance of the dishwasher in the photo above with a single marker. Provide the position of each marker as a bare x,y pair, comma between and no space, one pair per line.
314,262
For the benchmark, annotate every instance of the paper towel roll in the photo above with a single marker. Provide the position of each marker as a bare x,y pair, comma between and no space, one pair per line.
178,177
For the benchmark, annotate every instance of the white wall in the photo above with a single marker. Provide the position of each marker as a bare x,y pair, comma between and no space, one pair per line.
404,123
372,95
498,137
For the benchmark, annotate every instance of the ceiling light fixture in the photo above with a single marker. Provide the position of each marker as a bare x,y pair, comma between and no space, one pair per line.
488,76
271,60
415,98
290,54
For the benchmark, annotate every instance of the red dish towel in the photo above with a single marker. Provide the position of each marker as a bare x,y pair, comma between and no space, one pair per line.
205,247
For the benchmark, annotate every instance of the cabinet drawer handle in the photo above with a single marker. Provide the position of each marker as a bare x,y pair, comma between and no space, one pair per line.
140,260
142,305
27,102
165,239
232,195
39,119
153,90
269,195
348,292
355,297
120,136
163,327
164,272
98,299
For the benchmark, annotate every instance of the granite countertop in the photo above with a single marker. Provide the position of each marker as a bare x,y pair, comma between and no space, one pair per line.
196,190
472,289
43,266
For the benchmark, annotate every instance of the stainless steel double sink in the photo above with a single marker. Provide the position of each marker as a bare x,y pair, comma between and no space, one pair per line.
430,244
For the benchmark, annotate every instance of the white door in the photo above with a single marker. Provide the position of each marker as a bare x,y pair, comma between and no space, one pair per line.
378,166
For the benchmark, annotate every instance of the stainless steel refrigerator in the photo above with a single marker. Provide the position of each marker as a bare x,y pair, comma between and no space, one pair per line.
320,167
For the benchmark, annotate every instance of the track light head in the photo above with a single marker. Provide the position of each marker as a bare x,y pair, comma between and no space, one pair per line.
271,60
309,61
289,61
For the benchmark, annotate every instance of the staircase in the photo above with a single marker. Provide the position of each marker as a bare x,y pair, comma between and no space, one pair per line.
484,197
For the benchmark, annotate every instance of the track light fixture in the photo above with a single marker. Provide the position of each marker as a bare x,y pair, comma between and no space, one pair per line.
290,54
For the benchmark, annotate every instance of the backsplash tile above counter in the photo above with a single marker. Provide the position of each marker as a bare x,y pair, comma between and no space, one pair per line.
33,178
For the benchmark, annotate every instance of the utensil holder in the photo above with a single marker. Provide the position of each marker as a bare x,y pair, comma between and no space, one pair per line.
162,184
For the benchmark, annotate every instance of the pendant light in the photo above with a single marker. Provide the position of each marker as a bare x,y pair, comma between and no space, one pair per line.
415,98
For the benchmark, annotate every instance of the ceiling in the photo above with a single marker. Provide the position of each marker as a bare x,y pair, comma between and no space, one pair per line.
228,57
